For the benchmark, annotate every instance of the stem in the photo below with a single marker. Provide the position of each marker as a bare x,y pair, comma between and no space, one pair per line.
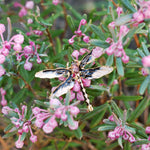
65,15
136,40
114,3
51,40
28,86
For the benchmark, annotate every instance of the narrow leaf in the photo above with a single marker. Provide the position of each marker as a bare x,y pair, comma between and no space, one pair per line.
119,65
120,142
23,136
110,60
140,52
128,98
106,127
116,109
97,31
99,43
67,98
146,51
10,134
71,23
8,127
139,110
140,142
144,85
78,133
128,5
94,112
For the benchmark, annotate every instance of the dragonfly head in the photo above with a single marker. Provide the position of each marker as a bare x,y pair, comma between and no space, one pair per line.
74,68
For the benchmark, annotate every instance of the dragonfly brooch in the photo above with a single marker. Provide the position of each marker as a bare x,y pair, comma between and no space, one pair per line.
75,72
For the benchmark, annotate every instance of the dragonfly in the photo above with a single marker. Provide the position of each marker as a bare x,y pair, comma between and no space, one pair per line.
74,73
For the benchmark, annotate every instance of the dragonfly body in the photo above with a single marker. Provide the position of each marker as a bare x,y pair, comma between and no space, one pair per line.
75,73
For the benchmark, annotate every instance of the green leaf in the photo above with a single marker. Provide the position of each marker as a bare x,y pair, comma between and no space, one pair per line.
146,51
134,81
110,60
67,98
120,142
128,98
99,43
116,109
9,134
23,136
71,23
127,145
94,112
8,127
119,65
139,110
144,85
106,127
78,133
97,119
140,142
97,31
140,52
44,22
41,103
97,87
123,20
74,12
128,5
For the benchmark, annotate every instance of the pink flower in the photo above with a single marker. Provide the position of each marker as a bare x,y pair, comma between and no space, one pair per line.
138,16
27,66
144,72
23,12
55,2
54,103
83,22
76,87
3,102
147,130
2,71
125,59
75,54
47,128
112,25
123,30
80,96
86,39
19,39
30,21
115,82
71,41
74,126
29,4
19,143
33,138
86,82
17,47
28,49
119,11
2,59
2,28
39,123
6,110
74,110
64,117
146,61
97,52
111,118
112,135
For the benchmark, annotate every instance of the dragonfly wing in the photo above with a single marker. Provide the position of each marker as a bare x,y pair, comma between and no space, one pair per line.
64,87
51,73
96,73
87,59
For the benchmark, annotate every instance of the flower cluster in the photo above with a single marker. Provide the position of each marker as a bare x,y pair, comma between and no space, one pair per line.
146,146
28,52
47,119
116,48
3,93
79,33
121,130
36,32
5,47
142,13
21,123
24,9
146,64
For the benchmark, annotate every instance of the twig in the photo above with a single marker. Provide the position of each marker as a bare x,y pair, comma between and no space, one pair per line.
28,86
114,3
51,40
136,40
65,15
